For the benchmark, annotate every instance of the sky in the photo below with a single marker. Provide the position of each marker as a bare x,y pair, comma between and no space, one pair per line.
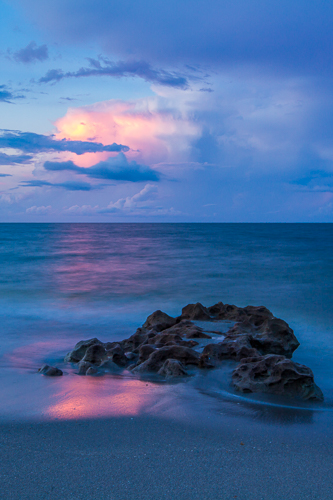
165,111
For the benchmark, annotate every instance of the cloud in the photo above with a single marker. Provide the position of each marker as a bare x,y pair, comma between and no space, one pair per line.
14,159
39,210
120,69
81,210
36,143
5,175
32,53
7,95
118,169
159,129
289,36
68,185
139,200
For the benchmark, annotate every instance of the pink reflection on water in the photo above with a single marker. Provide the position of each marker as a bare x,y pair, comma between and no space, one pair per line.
93,259
29,356
87,397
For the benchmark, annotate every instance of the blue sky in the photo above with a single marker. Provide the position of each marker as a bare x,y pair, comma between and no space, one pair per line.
166,111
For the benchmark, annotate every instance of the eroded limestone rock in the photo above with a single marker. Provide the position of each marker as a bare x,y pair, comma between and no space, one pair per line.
159,321
172,368
277,375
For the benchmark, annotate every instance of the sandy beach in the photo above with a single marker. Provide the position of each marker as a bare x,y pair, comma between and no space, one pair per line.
147,458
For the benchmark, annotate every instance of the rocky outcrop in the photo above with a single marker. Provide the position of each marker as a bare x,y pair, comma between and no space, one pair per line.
80,349
164,345
233,347
172,369
95,354
159,321
276,375
196,312
157,358
186,329
50,371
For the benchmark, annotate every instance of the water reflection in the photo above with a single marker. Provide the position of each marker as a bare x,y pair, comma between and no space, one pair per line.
87,397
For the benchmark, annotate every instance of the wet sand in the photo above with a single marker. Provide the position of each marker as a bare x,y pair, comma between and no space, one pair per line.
215,457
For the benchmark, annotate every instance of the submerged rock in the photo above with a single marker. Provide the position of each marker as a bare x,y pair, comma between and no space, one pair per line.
50,371
172,368
277,375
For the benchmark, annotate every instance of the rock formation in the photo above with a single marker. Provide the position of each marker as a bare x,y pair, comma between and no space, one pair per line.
165,346
50,371
276,375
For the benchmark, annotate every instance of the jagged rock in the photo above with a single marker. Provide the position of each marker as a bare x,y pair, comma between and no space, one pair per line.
140,337
187,329
159,321
83,366
254,314
145,351
95,354
117,355
172,368
233,347
277,375
50,371
274,336
164,344
79,350
157,358
162,339
196,312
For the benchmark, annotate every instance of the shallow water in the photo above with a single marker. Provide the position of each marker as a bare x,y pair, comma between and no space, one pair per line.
60,283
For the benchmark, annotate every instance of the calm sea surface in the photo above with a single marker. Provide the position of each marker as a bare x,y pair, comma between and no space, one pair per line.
60,283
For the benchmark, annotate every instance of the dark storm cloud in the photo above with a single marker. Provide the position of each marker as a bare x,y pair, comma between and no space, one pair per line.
296,36
68,185
120,69
31,53
29,142
117,169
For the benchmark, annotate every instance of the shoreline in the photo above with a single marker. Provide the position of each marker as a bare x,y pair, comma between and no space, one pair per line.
144,457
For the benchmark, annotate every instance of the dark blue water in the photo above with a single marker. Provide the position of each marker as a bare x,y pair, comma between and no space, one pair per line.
60,283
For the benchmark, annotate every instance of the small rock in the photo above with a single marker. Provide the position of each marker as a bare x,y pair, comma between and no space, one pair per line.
50,371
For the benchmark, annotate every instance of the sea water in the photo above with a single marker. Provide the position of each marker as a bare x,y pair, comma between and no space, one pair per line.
61,283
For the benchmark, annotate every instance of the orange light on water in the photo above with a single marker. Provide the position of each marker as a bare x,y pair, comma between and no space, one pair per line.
87,397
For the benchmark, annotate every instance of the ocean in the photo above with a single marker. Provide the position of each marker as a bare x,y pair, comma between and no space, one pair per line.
61,283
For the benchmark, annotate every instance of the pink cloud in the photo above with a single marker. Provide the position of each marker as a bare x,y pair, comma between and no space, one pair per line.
154,134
